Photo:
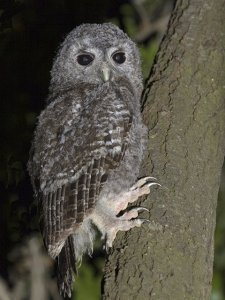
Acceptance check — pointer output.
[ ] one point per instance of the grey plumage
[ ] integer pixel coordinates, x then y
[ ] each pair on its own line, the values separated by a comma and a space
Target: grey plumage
88, 143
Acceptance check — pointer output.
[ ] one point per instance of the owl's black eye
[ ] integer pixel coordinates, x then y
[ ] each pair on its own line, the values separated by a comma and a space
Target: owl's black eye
85, 59
119, 57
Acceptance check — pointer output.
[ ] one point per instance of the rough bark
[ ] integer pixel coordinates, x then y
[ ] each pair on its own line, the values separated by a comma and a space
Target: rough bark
184, 110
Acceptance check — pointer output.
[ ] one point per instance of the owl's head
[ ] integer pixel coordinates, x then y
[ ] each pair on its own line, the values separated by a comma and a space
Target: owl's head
95, 54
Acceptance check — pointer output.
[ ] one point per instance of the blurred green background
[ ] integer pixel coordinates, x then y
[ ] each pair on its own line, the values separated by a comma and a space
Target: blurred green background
31, 31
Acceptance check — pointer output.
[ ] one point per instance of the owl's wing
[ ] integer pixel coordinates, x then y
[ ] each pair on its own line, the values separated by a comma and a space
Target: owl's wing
64, 209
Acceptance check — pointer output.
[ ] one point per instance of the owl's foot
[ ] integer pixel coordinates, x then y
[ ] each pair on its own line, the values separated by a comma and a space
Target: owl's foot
113, 216
140, 188
127, 221
129, 218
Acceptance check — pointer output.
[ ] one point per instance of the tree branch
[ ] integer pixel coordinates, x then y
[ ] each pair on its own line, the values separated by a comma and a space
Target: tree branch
184, 109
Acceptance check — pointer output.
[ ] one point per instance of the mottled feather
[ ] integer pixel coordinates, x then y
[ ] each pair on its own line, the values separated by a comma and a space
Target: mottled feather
69, 190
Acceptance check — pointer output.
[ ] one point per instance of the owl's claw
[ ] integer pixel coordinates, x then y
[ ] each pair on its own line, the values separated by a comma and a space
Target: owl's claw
140, 188
141, 209
141, 182
106, 247
124, 223
125, 226
121, 225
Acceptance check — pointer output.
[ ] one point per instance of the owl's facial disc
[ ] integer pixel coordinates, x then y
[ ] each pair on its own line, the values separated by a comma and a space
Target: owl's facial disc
101, 64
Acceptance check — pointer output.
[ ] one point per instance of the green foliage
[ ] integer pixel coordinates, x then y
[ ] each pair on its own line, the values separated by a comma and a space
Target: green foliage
88, 283
148, 53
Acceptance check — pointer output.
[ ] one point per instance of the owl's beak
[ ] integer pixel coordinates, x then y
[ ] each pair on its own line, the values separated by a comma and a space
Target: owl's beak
105, 74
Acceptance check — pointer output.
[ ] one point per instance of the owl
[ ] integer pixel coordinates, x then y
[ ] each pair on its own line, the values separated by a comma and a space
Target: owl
88, 146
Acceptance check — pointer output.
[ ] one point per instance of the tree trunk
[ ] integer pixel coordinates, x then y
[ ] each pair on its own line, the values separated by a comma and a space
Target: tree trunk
184, 109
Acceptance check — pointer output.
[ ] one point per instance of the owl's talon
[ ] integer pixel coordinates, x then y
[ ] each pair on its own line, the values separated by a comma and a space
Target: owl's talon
141, 182
133, 213
122, 224
153, 183
141, 209
106, 247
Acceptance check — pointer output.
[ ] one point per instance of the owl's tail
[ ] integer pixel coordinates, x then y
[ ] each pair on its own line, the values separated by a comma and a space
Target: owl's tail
71, 254
66, 267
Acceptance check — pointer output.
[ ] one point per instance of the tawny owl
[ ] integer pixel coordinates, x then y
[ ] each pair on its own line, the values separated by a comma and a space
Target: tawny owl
88, 145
